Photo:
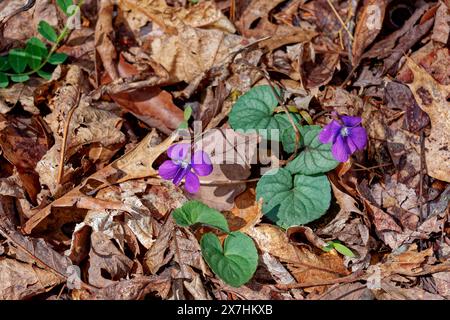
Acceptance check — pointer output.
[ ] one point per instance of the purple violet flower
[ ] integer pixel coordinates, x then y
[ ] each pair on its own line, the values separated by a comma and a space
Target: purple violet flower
346, 135
184, 165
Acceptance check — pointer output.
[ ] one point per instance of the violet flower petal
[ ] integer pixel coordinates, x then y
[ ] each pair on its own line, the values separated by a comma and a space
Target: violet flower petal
350, 121
168, 169
182, 172
340, 149
201, 163
330, 132
179, 151
358, 137
192, 183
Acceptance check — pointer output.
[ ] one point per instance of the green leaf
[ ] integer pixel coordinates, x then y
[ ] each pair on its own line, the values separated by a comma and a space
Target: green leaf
236, 262
4, 63
194, 211
36, 51
64, 5
343, 249
18, 60
293, 200
3, 80
288, 139
255, 110
47, 31
187, 113
44, 74
19, 77
57, 58
316, 157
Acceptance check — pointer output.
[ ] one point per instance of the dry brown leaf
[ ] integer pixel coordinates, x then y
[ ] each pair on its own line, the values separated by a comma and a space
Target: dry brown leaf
151, 105
231, 154
442, 280
194, 39
368, 26
131, 289
441, 30
138, 163
24, 142
22, 280
105, 258
246, 212
432, 97
305, 265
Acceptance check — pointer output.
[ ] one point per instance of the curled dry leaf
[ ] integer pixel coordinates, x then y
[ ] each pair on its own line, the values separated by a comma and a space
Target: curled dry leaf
433, 99
138, 163
368, 26
231, 154
106, 258
151, 105
201, 35
22, 280
305, 265
24, 141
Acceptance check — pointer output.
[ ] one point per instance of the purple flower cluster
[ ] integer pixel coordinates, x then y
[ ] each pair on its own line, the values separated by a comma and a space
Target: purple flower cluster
184, 164
347, 136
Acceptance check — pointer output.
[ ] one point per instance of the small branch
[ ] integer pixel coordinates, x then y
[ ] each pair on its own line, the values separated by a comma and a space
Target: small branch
348, 279
64, 138
340, 19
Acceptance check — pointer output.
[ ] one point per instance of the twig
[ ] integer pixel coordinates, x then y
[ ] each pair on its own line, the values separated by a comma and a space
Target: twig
340, 19
348, 279
64, 138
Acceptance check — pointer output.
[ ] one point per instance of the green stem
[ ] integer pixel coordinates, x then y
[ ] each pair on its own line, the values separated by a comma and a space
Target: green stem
61, 36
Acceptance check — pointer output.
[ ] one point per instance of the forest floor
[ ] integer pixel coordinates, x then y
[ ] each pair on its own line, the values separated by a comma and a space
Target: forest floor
100, 200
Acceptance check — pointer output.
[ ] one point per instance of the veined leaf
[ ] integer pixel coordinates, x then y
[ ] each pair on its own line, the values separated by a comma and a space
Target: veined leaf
236, 262
316, 156
255, 110
194, 212
291, 200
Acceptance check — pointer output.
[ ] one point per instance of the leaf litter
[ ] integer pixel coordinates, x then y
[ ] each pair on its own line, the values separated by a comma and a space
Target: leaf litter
84, 213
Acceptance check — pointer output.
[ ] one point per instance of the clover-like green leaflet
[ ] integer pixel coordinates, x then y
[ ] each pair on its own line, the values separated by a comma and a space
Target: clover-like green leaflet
235, 262
19, 64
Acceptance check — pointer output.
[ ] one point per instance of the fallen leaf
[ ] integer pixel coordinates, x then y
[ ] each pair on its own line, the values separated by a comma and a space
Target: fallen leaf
432, 97
106, 260
368, 26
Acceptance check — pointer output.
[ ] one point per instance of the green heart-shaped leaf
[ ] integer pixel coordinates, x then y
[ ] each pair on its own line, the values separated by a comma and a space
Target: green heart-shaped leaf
236, 262
293, 200
194, 211
47, 31
316, 156
255, 110
17, 59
